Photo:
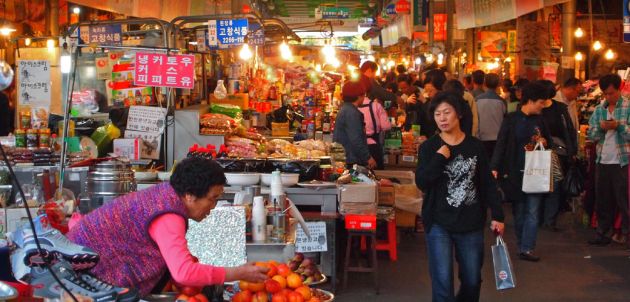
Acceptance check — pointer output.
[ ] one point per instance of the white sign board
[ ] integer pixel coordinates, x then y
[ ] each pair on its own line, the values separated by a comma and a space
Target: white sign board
146, 123
318, 241
34, 87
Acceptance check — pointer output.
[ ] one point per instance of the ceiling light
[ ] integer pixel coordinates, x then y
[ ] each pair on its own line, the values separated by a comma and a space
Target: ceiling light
76, 10
579, 32
609, 54
27, 41
285, 51
597, 45
579, 56
246, 53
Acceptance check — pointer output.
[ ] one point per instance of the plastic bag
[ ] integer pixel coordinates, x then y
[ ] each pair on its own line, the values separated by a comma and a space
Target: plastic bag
503, 274
220, 92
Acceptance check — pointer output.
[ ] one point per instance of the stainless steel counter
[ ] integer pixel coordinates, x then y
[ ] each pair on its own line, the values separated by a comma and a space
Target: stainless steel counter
325, 198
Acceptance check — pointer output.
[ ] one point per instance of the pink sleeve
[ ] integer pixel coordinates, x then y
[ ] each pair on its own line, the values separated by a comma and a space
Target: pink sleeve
169, 233
382, 116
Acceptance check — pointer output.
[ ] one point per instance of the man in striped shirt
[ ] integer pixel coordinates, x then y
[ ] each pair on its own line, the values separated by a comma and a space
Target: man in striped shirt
609, 129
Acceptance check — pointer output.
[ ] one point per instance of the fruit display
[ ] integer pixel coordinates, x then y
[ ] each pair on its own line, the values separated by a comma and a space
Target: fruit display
306, 268
283, 285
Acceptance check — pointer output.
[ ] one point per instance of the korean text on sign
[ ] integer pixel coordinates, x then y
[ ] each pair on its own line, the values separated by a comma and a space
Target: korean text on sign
161, 70
105, 34
232, 31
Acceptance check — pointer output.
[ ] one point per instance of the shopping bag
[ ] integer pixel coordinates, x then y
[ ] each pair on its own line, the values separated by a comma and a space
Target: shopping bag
574, 180
503, 275
537, 176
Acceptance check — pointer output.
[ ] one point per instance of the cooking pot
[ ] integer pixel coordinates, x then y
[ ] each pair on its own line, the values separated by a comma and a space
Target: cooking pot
307, 168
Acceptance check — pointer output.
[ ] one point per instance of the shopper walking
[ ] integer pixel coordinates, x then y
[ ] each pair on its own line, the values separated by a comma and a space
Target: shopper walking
564, 140
350, 128
492, 109
454, 174
376, 122
568, 95
375, 90
608, 128
520, 131
469, 106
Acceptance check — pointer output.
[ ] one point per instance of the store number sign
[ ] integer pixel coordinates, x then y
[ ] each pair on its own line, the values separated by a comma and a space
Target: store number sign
161, 70
318, 241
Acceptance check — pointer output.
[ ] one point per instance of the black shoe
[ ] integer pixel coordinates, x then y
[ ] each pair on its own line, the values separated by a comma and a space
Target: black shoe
529, 256
600, 241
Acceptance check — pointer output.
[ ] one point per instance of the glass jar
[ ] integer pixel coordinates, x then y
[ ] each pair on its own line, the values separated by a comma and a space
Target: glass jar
44, 138
31, 138
25, 119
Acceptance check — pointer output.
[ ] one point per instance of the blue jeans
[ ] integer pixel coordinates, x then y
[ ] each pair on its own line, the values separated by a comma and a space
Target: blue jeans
469, 255
526, 221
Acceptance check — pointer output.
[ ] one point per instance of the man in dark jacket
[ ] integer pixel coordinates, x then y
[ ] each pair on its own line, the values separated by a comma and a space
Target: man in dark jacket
374, 90
5, 115
350, 127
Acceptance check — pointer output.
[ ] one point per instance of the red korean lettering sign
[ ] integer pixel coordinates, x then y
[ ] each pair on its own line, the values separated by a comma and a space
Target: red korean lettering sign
161, 70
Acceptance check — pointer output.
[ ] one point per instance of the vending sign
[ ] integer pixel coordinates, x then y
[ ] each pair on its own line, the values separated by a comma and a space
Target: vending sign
161, 70
232, 32
626, 21
104, 35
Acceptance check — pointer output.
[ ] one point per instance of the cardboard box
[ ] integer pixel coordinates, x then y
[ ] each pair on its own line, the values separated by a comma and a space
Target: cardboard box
405, 219
280, 129
128, 147
11, 218
239, 99
386, 196
358, 193
390, 159
410, 161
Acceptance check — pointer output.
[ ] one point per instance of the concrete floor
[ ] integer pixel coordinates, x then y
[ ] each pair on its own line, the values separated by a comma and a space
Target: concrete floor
570, 270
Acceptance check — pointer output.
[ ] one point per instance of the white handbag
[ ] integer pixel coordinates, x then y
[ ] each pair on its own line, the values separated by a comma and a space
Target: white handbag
537, 175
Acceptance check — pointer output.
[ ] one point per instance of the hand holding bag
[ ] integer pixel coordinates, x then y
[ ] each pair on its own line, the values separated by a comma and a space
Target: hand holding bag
503, 275
537, 175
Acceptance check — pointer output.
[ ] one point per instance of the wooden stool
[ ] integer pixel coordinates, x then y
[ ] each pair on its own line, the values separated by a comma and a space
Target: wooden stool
390, 245
373, 268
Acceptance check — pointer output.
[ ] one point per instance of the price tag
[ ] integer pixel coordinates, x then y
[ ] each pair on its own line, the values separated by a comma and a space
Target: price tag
318, 241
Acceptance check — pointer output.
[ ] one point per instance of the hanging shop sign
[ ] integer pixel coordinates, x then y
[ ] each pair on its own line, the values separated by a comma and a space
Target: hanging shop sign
256, 34
420, 14
439, 29
161, 70
328, 12
390, 9
511, 41
626, 21
102, 34
212, 40
403, 7
232, 32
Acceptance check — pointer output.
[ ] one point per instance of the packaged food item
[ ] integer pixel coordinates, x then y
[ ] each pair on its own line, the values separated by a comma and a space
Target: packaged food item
44, 138
31, 139
20, 138
39, 117
25, 119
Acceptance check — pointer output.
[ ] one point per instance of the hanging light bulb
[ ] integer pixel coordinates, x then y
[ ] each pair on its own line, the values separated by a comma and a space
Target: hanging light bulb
50, 44
479, 57
27, 41
335, 63
328, 51
579, 56
382, 61
246, 53
5, 30
285, 51
508, 60
429, 58
76, 10
579, 32
418, 61
609, 54
597, 45
391, 64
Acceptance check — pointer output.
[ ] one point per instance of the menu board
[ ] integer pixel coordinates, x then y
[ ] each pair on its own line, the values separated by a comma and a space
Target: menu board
34, 87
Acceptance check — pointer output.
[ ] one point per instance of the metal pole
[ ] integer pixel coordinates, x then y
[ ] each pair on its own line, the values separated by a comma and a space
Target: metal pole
450, 5
568, 42
590, 47
431, 23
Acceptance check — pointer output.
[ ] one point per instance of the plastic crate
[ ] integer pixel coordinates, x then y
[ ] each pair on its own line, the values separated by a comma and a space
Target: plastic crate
361, 222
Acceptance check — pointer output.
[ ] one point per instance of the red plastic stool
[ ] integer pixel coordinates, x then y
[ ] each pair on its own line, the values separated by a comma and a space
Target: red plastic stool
390, 245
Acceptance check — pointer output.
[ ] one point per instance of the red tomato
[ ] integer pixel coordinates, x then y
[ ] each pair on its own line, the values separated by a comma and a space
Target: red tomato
279, 297
260, 297
295, 297
272, 286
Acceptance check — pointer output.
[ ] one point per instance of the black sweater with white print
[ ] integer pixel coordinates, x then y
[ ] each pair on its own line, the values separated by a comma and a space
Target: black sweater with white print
459, 190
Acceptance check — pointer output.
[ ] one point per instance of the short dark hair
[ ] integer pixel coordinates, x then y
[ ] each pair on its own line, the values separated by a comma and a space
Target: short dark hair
507, 83
196, 176
468, 79
520, 83
572, 82
368, 65
401, 69
549, 87
450, 98
533, 92
435, 77
454, 86
608, 80
491, 80
403, 78
478, 77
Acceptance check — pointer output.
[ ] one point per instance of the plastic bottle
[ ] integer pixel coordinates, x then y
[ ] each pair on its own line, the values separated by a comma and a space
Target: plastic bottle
259, 220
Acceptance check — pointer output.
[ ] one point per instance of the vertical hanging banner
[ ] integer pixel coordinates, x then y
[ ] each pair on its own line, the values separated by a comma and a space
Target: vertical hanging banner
420, 15
161, 70
626, 21
34, 87
212, 34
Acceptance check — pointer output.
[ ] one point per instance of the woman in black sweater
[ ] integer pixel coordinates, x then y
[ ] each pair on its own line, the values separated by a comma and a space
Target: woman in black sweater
454, 174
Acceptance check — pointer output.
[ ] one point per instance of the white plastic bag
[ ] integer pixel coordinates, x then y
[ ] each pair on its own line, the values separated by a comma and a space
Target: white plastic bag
537, 176
220, 92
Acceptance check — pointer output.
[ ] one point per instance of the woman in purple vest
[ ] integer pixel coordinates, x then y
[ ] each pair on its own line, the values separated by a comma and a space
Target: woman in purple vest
142, 236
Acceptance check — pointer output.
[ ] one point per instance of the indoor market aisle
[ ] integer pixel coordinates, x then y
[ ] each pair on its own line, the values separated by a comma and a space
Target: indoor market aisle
570, 270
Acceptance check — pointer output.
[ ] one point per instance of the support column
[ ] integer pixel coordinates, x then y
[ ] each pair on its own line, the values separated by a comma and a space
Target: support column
431, 23
568, 40
450, 10
53, 17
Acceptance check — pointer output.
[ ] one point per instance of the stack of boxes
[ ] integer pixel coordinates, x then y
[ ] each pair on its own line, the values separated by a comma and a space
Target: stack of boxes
357, 202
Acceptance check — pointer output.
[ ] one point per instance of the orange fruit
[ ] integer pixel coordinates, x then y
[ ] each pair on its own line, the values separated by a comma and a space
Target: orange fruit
273, 270
305, 291
284, 270
281, 280
257, 287
273, 262
243, 285
294, 280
